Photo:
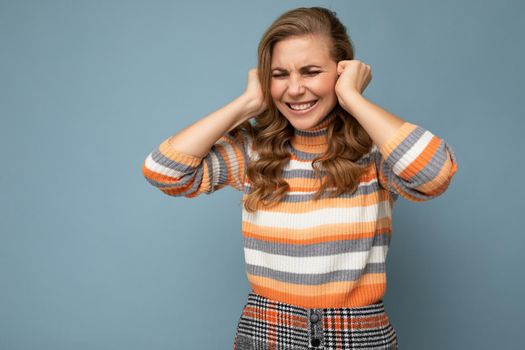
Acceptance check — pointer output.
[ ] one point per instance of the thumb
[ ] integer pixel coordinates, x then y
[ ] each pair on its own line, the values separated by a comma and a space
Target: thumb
341, 67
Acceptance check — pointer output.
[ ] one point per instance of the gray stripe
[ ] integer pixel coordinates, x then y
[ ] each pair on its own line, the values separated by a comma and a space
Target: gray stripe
405, 145
168, 163
426, 174
317, 249
310, 156
310, 173
191, 173
300, 173
197, 181
323, 131
432, 169
297, 198
211, 169
315, 279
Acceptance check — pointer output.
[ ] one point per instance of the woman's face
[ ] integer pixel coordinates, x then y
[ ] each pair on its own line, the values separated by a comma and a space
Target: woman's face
303, 72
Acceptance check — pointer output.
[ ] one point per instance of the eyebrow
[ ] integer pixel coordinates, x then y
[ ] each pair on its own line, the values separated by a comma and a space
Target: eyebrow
302, 68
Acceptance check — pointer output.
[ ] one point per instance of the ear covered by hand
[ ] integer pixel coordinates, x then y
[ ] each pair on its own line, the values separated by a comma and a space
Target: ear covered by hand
354, 77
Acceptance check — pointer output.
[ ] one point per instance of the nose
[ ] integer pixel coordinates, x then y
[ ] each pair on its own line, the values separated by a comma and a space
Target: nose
295, 85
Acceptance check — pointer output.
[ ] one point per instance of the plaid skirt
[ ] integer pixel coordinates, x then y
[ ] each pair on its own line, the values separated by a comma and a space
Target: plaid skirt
270, 324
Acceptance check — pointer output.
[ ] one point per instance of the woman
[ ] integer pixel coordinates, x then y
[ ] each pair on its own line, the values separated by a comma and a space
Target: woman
320, 168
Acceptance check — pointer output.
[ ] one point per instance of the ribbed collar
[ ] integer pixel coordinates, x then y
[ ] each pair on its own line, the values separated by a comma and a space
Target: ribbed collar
313, 140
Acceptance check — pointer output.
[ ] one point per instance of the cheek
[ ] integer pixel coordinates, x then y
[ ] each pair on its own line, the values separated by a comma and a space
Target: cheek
275, 91
326, 86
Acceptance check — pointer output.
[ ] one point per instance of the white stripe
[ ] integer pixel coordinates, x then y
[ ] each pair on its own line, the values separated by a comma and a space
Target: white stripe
252, 155
323, 216
214, 171
316, 264
294, 164
152, 165
413, 152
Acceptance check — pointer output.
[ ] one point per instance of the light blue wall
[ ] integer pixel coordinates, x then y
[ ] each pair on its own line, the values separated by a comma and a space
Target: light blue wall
93, 257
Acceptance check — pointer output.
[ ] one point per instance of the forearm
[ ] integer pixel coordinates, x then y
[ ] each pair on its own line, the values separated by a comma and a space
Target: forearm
378, 123
198, 138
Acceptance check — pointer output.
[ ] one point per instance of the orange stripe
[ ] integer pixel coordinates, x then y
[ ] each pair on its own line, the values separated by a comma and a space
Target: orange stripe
422, 159
358, 201
308, 149
176, 189
152, 175
440, 182
401, 133
319, 234
312, 184
369, 289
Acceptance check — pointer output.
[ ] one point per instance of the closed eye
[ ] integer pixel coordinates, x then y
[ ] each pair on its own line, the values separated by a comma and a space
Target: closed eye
312, 73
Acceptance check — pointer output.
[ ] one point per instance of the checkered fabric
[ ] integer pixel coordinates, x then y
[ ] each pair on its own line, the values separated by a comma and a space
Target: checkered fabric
273, 325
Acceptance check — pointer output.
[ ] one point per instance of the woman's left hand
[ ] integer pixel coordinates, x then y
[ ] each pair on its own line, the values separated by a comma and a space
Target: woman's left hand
354, 77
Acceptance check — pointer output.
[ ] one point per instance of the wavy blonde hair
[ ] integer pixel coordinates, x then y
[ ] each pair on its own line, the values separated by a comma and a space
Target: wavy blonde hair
271, 133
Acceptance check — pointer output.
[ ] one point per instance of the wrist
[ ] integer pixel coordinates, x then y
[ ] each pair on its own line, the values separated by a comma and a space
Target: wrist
246, 107
350, 99
250, 105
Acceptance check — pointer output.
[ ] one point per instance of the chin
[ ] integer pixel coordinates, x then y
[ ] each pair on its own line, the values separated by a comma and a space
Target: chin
305, 122
300, 122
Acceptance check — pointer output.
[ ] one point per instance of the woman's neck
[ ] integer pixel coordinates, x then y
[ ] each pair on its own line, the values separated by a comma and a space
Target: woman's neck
314, 139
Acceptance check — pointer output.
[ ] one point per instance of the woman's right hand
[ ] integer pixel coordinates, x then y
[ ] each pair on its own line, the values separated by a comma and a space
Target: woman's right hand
254, 94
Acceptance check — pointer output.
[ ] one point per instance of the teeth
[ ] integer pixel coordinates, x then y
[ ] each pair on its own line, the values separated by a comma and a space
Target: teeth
300, 107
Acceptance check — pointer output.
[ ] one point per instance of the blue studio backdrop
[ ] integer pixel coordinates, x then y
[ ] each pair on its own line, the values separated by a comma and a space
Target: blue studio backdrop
93, 257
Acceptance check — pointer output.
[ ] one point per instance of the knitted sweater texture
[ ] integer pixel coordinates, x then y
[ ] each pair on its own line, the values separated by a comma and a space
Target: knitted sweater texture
326, 253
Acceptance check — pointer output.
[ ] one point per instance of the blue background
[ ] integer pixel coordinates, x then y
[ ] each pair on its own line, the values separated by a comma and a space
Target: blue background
93, 257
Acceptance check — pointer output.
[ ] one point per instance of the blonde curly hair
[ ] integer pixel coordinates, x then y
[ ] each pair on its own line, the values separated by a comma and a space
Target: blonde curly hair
272, 133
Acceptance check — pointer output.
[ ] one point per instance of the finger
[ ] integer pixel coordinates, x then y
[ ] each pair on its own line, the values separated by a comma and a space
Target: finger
340, 67
368, 81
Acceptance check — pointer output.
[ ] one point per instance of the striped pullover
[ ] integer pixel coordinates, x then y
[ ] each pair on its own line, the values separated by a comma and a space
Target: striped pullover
315, 254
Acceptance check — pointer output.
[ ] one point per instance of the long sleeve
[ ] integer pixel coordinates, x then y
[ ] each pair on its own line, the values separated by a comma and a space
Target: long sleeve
179, 174
415, 164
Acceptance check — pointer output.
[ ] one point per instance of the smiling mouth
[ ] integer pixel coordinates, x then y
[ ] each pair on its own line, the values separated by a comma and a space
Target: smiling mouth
309, 105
